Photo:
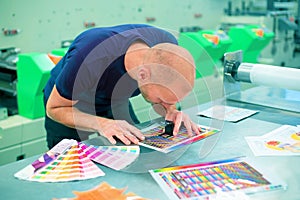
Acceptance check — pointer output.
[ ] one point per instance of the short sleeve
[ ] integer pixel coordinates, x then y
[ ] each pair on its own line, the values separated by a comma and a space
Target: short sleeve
65, 82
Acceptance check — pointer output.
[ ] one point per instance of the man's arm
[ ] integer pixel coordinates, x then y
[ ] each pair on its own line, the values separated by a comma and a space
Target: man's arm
63, 111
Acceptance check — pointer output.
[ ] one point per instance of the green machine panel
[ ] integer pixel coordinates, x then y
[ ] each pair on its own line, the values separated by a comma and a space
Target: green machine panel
207, 47
60, 51
251, 39
33, 71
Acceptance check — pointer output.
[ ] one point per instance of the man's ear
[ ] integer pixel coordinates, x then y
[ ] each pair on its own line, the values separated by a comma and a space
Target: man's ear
143, 74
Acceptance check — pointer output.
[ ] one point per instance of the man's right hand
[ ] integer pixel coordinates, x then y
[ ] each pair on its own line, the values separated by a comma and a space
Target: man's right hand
63, 111
120, 129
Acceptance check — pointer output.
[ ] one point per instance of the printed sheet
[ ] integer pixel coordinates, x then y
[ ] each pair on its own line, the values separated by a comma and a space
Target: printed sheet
227, 113
283, 141
231, 178
156, 139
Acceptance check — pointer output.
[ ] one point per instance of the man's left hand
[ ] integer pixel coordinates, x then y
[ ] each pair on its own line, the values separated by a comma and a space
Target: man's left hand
178, 117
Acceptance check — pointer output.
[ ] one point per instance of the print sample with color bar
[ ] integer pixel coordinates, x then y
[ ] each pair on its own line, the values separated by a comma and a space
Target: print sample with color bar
208, 180
156, 139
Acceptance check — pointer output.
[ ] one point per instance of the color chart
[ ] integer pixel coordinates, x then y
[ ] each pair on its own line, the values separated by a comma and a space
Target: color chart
70, 160
156, 139
115, 157
72, 164
45, 159
200, 181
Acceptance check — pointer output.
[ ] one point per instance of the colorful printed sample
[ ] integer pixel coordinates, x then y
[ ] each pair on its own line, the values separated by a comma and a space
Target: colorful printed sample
283, 141
201, 181
115, 157
156, 139
104, 192
70, 164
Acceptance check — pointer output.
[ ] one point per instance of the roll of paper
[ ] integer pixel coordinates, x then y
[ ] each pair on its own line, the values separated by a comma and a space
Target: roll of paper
274, 76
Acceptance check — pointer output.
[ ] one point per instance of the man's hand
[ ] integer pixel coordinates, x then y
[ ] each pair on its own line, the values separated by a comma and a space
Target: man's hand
120, 129
63, 111
178, 118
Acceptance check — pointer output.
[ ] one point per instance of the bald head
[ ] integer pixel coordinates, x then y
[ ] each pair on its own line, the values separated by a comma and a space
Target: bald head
165, 68
168, 49
170, 65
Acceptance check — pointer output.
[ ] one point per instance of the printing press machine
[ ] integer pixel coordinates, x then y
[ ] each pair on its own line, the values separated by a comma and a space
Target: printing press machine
22, 78
8, 81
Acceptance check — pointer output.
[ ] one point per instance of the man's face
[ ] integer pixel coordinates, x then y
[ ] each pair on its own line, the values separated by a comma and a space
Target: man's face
159, 95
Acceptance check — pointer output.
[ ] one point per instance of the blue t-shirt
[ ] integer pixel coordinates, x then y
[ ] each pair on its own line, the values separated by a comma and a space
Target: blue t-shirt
93, 71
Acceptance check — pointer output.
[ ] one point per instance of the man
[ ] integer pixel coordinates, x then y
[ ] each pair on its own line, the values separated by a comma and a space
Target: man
89, 89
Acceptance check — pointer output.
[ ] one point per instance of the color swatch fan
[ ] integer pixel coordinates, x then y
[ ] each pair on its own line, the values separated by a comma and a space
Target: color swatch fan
156, 139
65, 162
214, 179
115, 157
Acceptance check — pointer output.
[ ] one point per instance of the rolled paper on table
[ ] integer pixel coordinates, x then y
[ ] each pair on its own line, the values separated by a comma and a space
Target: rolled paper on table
269, 75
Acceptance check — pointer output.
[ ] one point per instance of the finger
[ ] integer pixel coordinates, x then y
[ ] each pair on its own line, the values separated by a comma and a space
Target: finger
169, 117
188, 126
111, 139
131, 137
123, 139
196, 128
177, 123
135, 132
126, 127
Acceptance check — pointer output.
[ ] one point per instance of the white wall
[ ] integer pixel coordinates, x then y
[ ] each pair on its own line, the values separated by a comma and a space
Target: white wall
44, 24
